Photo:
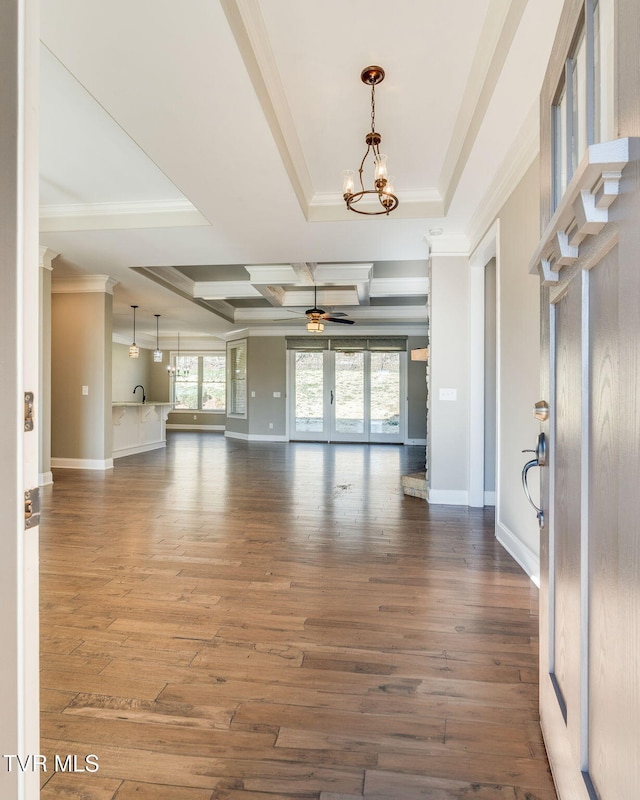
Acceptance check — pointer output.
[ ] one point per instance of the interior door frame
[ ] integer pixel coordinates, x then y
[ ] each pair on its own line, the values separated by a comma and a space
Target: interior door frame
19, 356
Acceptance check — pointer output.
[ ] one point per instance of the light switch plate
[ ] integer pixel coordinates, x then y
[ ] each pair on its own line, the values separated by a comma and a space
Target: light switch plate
276, 394
85, 390
448, 394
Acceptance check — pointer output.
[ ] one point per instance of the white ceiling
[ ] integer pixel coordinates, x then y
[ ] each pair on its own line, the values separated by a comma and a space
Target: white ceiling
213, 134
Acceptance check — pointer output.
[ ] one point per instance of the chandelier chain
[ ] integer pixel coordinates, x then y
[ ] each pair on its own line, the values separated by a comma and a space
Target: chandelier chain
373, 108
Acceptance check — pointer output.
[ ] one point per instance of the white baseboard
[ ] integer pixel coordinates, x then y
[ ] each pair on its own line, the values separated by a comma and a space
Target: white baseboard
82, 463
236, 435
518, 550
45, 478
256, 437
489, 498
179, 427
448, 497
139, 448
416, 441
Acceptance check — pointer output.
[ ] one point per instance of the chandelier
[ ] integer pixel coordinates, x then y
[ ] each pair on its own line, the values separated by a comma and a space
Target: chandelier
175, 370
382, 182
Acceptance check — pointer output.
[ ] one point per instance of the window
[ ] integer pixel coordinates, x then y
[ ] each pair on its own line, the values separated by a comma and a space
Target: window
237, 379
199, 382
582, 112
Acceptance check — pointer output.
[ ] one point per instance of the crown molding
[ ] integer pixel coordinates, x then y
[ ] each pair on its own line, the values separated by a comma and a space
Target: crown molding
46, 258
413, 204
452, 245
83, 284
118, 216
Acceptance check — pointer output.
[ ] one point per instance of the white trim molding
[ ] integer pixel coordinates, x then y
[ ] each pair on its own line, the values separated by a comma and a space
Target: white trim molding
584, 208
139, 448
517, 549
448, 497
178, 213
45, 478
83, 284
256, 437
177, 427
82, 463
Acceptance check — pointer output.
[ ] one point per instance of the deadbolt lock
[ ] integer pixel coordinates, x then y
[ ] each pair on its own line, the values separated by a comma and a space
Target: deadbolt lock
541, 410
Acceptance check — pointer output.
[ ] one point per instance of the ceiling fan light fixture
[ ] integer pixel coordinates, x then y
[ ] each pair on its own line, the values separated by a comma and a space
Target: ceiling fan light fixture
315, 326
383, 187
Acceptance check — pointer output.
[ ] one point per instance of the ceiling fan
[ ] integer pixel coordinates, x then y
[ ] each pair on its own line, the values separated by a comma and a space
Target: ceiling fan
315, 314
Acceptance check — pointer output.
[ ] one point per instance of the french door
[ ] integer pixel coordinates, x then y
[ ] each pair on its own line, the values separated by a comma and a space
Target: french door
347, 395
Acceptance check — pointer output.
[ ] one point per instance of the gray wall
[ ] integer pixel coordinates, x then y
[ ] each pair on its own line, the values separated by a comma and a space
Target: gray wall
449, 369
81, 356
416, 390
267, 372
490, 376
128, 372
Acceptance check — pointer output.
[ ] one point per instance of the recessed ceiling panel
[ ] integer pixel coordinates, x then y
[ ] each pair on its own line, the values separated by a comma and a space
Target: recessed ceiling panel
426, 49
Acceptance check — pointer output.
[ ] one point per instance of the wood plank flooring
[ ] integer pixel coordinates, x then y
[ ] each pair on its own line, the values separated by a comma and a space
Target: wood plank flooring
232, 621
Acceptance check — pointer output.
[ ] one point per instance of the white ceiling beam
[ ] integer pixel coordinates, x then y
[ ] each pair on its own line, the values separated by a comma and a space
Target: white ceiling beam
219, 290
399, 287
274, 274
342, 274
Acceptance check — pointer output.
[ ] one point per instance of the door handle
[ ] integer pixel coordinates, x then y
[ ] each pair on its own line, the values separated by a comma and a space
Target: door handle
331, 396
539, 461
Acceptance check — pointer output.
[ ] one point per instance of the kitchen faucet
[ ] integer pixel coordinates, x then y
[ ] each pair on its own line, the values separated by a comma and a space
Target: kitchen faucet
140, 386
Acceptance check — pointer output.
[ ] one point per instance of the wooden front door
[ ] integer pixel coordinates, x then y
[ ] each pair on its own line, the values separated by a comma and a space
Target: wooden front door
590, 542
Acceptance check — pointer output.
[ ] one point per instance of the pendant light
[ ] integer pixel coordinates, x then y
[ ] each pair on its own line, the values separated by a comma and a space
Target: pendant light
157, 353
134, 350
383, 190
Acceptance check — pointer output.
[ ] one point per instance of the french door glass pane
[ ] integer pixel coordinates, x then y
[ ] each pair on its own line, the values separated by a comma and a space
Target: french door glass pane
560, 148
309, 392
349, 399
213, 383
579, 145
385, 392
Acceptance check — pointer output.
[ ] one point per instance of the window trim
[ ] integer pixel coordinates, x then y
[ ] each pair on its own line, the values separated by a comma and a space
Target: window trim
232, 382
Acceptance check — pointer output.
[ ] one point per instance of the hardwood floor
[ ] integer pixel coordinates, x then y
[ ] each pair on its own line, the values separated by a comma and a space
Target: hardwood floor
238, 620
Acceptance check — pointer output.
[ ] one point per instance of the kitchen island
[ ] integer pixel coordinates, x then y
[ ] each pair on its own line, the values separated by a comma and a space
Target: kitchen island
138, 427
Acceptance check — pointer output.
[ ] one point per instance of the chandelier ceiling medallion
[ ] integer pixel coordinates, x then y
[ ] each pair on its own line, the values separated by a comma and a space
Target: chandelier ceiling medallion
382, 182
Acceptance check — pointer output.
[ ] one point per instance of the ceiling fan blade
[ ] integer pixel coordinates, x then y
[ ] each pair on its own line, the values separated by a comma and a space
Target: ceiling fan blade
334, 314
343, 321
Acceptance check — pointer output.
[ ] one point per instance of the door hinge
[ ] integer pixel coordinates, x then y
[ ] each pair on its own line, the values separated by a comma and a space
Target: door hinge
28, 411
32, 508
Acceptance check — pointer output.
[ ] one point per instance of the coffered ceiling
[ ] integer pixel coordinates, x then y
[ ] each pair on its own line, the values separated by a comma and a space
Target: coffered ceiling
194, 151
